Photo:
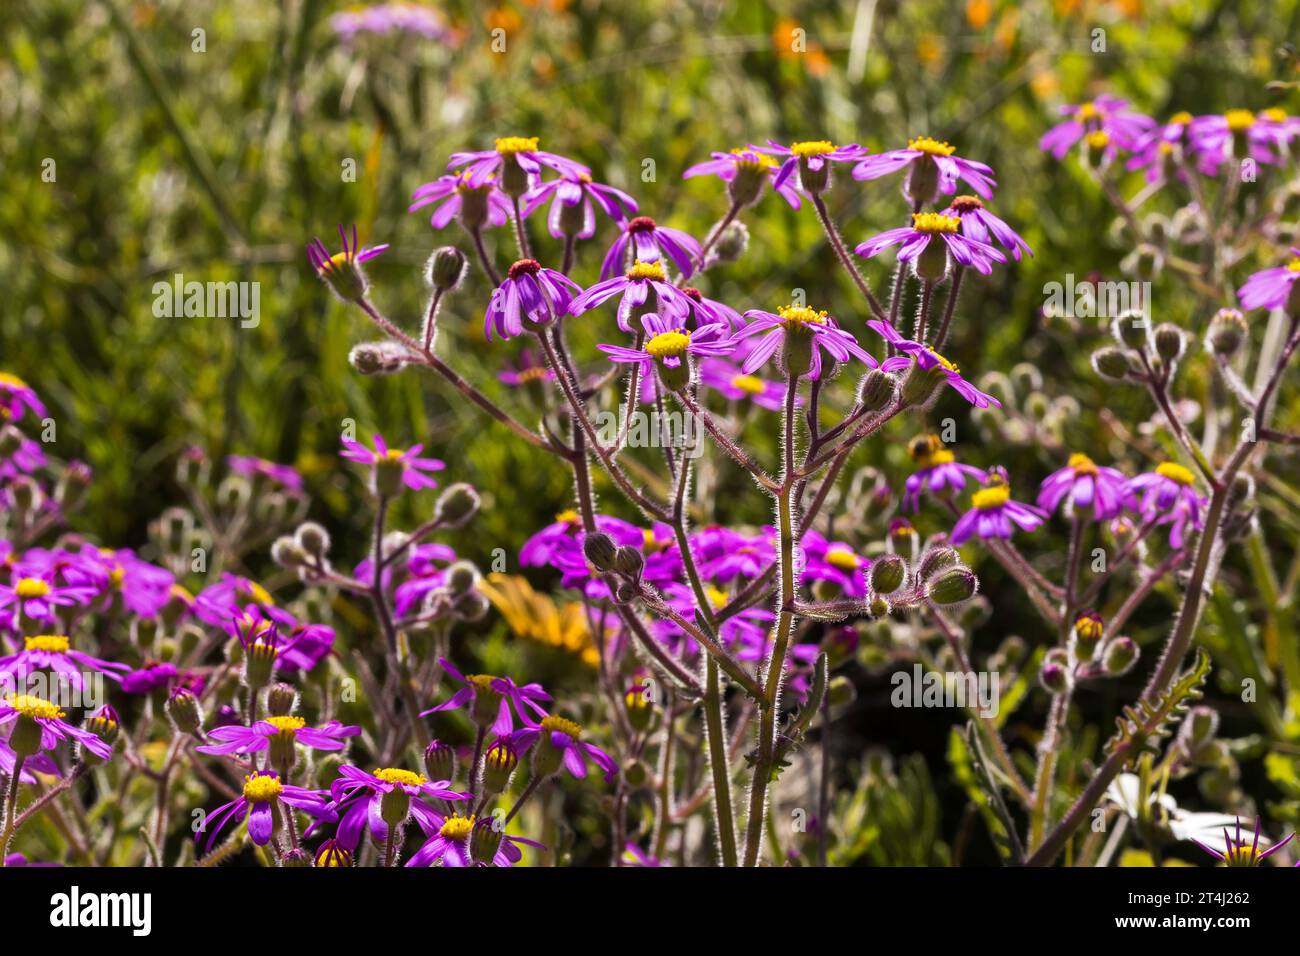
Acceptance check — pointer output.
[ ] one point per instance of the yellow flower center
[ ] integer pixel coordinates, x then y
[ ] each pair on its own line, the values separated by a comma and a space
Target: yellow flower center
563, 725
1273, 114
930, 146
651, 544
1293, 265
568, 516
717, 597
117, 576
1097, 139
750, 384
990, 499
262, 788
1087, 111
482, 683
752, 160
943, 361
1239, 120
667, 344
397, 775
35, 707
509, 145
1089, 628
793, 315
1175, 472
457, 828
336, 261
287, 726
9, 380
260, 594
1181, 118
843, 558
54, 643
812, 147
933, 222
648, 270
31, 588
941, 456
1082, 464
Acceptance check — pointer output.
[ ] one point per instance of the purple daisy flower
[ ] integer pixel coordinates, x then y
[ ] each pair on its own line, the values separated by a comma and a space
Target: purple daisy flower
529, 295
1262, 137
413, 18
938, 471
812, 159
573, 202
1162, 145
1087, 485
145, 588
927, 359
922, 155
259, 468
542, 548
724, 554
37, 597
801, 326
994, 515
413, 467
835, 562
17, 396
560, 743
511, 152
647, 241
490, 700
452, 842
263, 791
978, 223
1274, 288
457, 197
153, 675
636, 286
342, 270
667, 344
1236, 853
745, 171
734, 384
286, 730
917, 238
1106, 114
53, 652
358, 799
1168, 496
48, 717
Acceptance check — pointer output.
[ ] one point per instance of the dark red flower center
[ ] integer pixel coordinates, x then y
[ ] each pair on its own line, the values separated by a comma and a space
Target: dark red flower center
641, 224
524, 267
964, 204
693, 294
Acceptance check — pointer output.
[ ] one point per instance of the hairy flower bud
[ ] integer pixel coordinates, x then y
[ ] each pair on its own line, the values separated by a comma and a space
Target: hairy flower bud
1111, 364
1170, 341
888, 573
456, 505
440, 761
1053, 676
1118, 656
499, 762
902, 536
184, 711
840, 691
629, 562
639, 705
876, 390
1087, 635
313, 539
599, 550
472, 606
1132, 329
72, 486
461, 576
936, 559
1226, 333
281, 699
952, 586
286, 553
445, 268
379, 358
485, 840
732, 243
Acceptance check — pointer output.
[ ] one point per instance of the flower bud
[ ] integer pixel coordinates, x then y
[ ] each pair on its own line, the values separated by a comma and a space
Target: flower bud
184, 711
313, 539
445, 268
840, 691
281, 699
1200, 727
295, 858
379, 358
1227, 332
72, 485
902, 536
1170, 341
936, 559
1053, 676
332, 853
732, 243
456, 505
472, 606
952, 586
461, 576
144, 632
11, 439
485, 840
878, 607
1144, 262
599, 550
1118, 656
499, 762
105, 724
876, 390
286, 553
1087, 635
25, 494
1131, 329
639, 706
1111, 364
629, 562
888, 573
440, 761
625, 592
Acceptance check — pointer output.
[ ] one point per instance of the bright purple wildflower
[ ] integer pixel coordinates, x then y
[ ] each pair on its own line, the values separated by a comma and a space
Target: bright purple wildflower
925, 359
1087, 485
448, 843
37, 597
747, 162
647, 241
145, 588
542, 548
570, 192
835, 562
1263, 137
16, 396
255, 739
413, 18
529, 294
414, 468
251, 468
734, 384
1161, 144
527, 370
484, 693
152, 676
1168, 496
325, 262
474, 204
924, 149
1273, 288
26, 459
1106, 114
938, 471
636, 286
916, 238
1236, 853
358, 799
53, 652
522, 150
667, 343
49, 718
725, 554
815, 154
978, 223
820, 327
994, 514
566, 736
262, 790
